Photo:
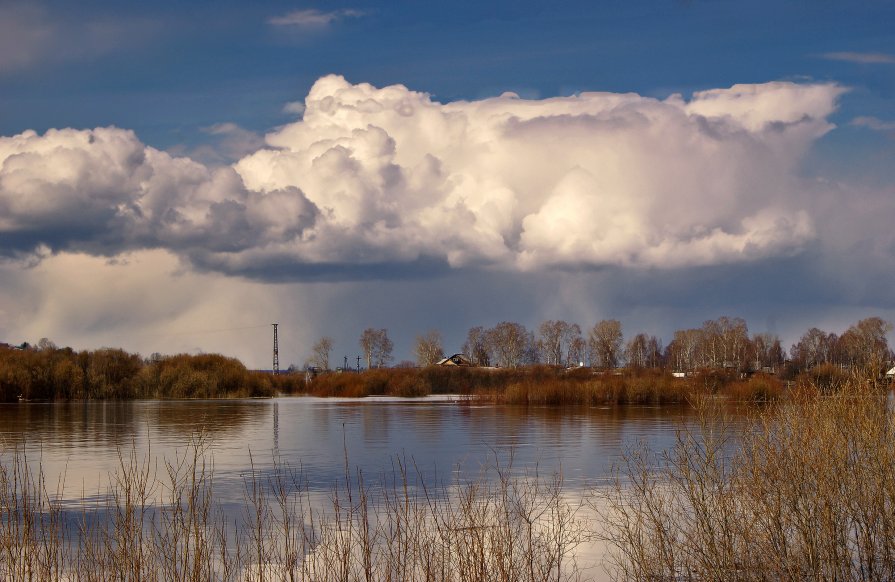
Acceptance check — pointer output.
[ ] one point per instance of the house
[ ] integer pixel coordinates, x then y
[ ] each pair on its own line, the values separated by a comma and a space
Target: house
455, 360
891, 373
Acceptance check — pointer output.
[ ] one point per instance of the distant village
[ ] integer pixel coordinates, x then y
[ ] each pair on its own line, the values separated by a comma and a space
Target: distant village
719, 344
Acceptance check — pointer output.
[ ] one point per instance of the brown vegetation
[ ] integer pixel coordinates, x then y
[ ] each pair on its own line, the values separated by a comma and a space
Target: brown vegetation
645, 387
63, 374
544, 385
166, 525
805, 492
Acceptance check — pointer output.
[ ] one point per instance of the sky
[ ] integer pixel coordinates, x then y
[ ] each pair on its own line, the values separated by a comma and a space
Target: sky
176, 176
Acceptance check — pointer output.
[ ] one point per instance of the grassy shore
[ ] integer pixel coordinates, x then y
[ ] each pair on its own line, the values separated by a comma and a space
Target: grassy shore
112, 374
542, 385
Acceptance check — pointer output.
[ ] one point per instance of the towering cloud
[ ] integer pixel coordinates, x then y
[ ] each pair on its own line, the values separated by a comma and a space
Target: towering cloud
388, 180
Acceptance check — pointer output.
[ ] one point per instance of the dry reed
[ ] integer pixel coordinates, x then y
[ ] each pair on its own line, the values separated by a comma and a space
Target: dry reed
163, 523
805, 492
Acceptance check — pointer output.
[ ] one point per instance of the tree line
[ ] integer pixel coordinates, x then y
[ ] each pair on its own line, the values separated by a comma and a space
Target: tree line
722, 343
45, 372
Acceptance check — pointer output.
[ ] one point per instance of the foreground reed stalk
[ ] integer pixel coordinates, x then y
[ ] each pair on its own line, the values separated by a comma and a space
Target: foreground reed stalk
807, 493
163, 523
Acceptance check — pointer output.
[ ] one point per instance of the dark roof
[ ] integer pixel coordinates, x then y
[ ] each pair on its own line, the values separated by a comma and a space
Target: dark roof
455, 360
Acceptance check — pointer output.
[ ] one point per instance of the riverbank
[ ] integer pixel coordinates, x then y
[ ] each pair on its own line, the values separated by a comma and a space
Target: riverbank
113, 374
542, 385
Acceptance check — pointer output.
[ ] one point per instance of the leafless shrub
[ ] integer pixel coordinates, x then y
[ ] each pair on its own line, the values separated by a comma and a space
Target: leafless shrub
808, 493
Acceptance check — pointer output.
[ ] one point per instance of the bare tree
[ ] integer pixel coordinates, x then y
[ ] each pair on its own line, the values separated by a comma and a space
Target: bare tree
382, 355
768, 353
509, 342
556, 339
429, 348
377, 347
321, 351
864, 345
46, 345
636, 350
683, 353
368, 340
815, 347
477, 346
736, 343
605, 343
577, 349
550, 341
654, 353
644, 351
725, 343
531, 353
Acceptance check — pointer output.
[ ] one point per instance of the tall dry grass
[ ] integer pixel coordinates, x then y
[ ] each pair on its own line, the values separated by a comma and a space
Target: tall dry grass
550, 386
161, 521
805, 492
580, 389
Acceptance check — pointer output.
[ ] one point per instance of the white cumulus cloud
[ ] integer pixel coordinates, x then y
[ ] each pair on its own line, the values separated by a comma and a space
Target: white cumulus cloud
594, 179
374, 182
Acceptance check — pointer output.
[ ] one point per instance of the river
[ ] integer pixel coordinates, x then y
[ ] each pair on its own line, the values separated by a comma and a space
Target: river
442, 438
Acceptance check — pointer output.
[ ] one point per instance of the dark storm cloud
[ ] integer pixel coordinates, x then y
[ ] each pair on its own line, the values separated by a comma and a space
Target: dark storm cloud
103, 192
283, 269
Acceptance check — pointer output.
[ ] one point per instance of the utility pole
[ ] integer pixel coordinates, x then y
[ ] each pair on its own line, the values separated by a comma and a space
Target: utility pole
276, 350
358, 363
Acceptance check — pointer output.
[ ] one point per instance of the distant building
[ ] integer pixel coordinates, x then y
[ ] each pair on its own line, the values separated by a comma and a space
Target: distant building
456, 360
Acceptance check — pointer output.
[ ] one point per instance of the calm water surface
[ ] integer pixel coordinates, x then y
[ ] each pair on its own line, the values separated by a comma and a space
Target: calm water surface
440, 437
78, 444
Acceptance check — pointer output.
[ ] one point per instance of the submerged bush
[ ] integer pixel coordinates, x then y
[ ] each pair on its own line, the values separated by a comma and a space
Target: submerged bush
113, 374
759, 389
805, 492
826, 378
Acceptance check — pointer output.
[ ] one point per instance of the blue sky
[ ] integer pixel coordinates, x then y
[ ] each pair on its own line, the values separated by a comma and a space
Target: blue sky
207, 80
166, 69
